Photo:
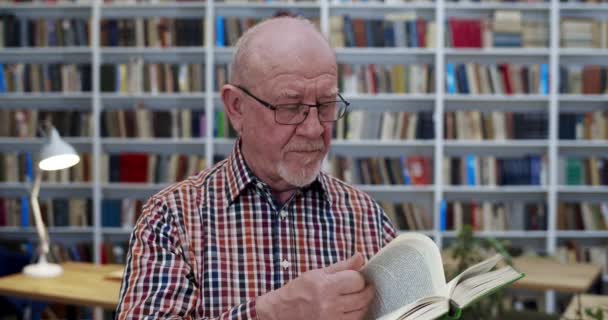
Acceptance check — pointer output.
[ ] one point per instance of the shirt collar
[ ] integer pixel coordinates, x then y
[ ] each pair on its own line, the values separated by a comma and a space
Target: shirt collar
240, 177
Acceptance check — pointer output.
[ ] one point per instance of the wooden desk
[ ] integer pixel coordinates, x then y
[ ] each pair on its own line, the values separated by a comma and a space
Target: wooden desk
547, 274
586, 301
81, 284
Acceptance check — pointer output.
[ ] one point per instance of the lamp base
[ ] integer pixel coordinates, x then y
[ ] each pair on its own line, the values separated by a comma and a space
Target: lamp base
43, 269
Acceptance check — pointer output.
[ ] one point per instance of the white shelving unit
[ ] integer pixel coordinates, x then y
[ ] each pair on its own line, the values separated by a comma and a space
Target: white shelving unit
440, 102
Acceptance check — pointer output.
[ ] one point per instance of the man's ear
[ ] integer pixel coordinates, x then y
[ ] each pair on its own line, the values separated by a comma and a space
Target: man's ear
233, 105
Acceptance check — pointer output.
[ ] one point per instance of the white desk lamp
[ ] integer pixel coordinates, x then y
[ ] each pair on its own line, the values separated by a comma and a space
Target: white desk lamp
56, 154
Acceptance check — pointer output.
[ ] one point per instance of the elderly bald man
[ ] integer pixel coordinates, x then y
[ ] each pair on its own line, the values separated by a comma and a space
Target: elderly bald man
263, 234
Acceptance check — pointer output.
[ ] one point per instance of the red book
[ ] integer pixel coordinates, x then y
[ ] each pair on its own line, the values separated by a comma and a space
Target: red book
133, 167
419, 169
421, 29
474, 34
506, 79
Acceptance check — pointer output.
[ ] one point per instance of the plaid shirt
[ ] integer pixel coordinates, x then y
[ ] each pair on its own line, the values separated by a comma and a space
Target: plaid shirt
208, 246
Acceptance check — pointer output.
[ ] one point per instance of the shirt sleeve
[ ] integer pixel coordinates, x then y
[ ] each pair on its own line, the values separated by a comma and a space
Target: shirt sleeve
159, 282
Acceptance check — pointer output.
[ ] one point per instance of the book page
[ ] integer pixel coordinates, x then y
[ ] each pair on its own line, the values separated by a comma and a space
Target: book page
478, 286
407, 269
479, 268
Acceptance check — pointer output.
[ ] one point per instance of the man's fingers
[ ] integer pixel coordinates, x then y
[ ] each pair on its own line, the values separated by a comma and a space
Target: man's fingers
357, 301
348, 281
353, 263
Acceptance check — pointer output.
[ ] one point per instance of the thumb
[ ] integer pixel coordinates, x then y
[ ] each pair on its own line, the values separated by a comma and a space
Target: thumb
355, 262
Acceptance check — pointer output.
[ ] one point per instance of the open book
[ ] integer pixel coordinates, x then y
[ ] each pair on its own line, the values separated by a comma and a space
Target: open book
410, 282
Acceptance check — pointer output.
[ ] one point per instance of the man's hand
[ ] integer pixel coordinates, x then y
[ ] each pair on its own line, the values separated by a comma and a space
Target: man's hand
335, 292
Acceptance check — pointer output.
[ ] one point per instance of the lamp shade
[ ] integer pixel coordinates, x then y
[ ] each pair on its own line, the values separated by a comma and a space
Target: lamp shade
57, 154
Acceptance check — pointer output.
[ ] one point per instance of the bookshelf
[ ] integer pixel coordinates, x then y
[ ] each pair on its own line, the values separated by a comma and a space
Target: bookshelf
439, 102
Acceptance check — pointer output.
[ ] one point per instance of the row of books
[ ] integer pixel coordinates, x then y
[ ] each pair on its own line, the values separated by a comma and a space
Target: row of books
502, 78
43, 32
584, 33
152, 32
575, 252
19, 167
591, 171
582, 216
377, 78
493, 216
143, 123
36, 78
120, 213
149, 168
24, 123
584, 126
475, 170
358, 125
396, 30
137, 76
506, 28
413, 170
72, 212
495, 125
408, 216
588, 79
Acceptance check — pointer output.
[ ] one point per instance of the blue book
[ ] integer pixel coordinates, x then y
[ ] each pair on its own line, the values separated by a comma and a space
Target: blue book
2, 81
389, 35
220, 32
471, 181
111, 213
443, 219
406, 174
535, 170
461, 79
413, 34
25, 201
369, 33
349, 32
544, 79
450, 78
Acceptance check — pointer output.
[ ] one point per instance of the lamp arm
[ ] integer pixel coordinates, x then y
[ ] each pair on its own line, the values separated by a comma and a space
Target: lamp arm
40, 227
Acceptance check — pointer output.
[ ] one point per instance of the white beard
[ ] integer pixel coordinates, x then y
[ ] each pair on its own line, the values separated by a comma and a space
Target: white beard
301, 177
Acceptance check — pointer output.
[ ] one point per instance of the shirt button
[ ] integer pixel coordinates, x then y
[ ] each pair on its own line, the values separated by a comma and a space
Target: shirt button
285, 264
283, 214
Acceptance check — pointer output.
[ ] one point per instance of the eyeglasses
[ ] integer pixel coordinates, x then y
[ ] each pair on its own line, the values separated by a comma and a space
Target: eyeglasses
296, 113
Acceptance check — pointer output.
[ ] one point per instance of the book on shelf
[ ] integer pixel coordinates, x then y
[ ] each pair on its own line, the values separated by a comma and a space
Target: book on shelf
582, 216
576, 171
573, 251
57, 212
121, 213
495, 171
380, 78
149, 168
23, 123
494, 125
411, 170
23, 31
583, 79
45, 77
152, 32
494, 216
401, 30
505, 28
501, 78
138, 76
141, 122
408, 216
584, 126
578, 32
16, 166
410, 281
359, 124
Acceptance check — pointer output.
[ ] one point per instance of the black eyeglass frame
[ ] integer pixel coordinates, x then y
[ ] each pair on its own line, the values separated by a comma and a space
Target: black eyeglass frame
275, 107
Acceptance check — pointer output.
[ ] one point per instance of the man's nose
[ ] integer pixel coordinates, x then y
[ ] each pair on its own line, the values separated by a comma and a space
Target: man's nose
312, 125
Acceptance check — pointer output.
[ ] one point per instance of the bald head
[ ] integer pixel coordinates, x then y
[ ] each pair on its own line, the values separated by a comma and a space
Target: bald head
278, 43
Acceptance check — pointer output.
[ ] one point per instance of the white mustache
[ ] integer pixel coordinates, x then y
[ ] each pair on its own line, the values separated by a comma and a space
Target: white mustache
311, 146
